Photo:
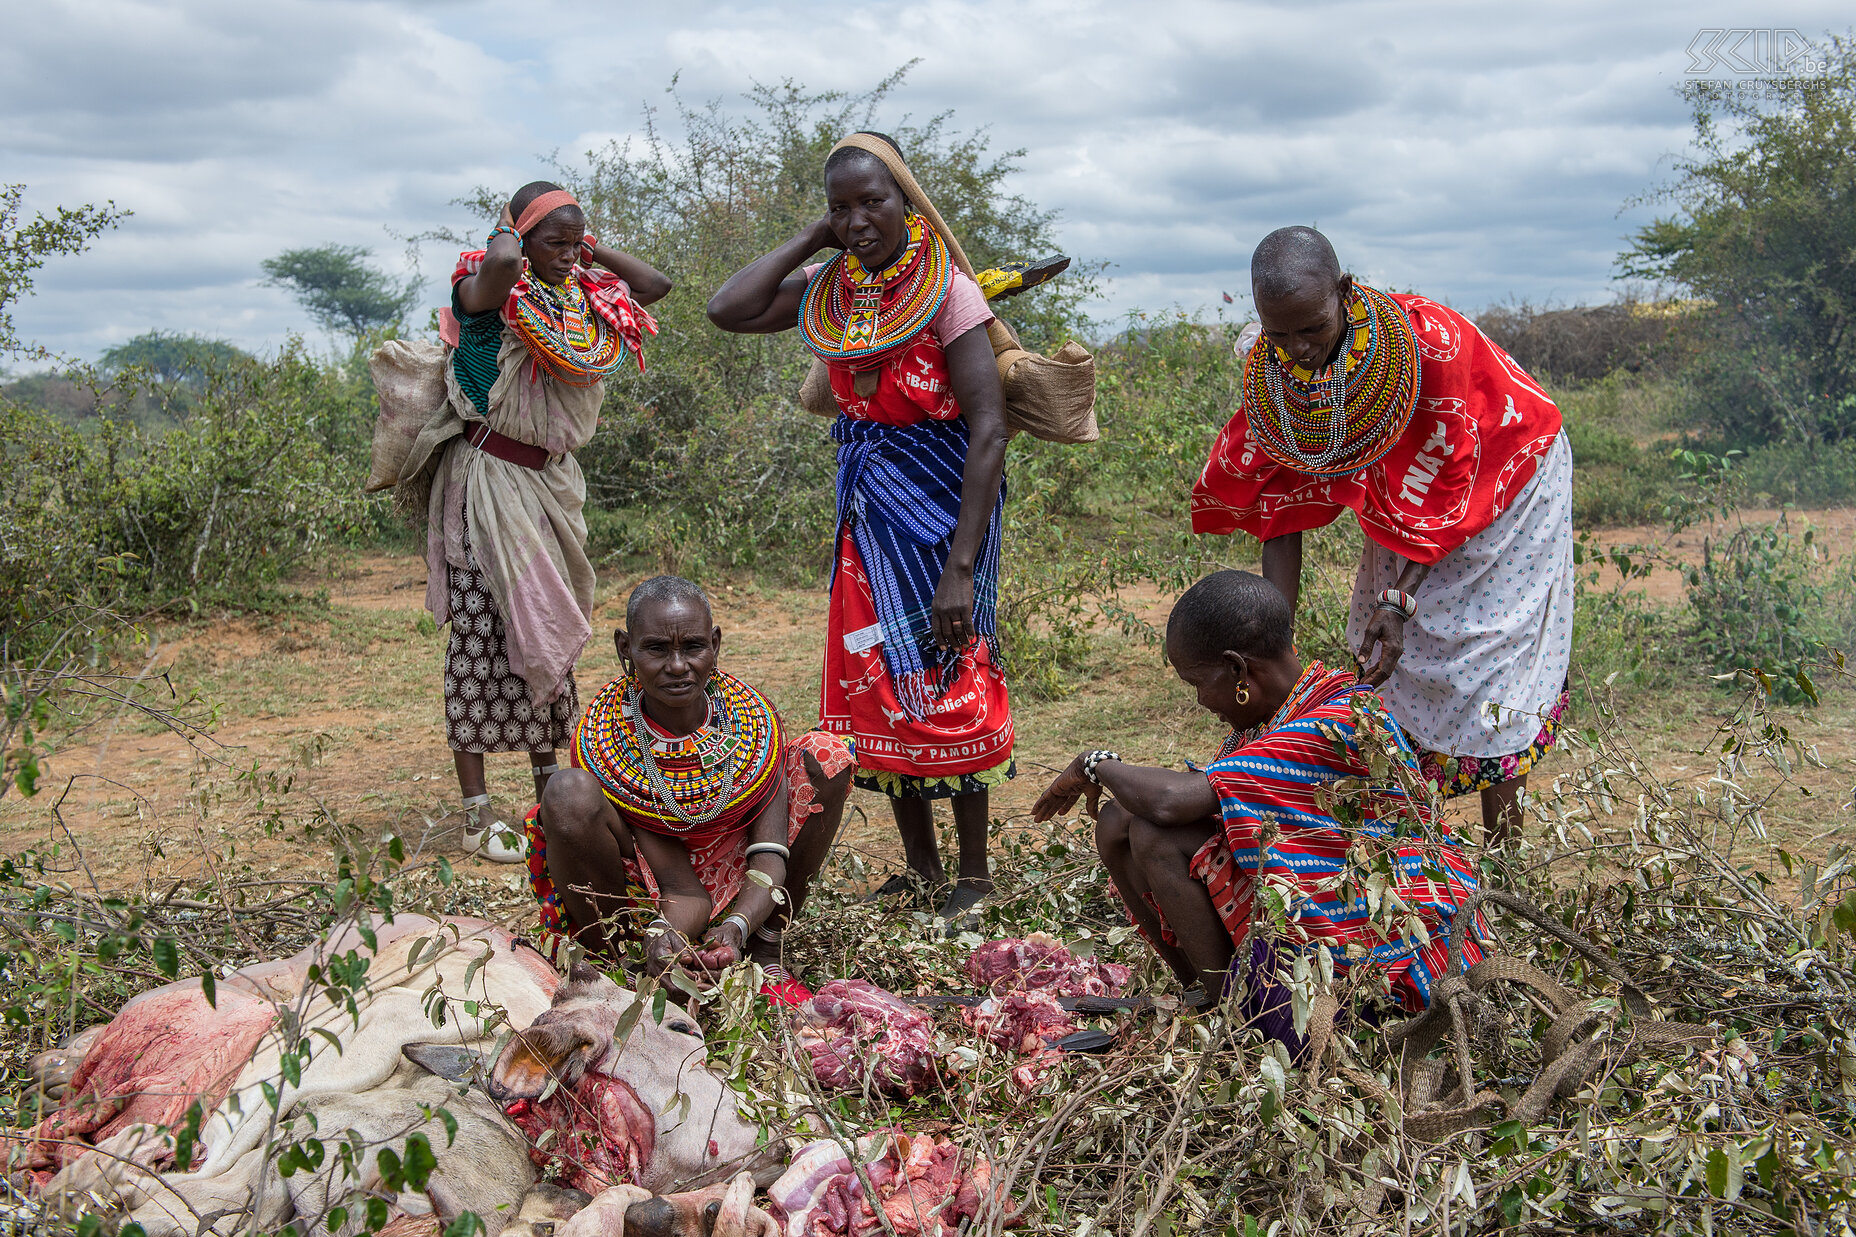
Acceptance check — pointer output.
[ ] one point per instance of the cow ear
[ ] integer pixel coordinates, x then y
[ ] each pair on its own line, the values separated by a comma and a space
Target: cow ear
448, 1061
546, 1050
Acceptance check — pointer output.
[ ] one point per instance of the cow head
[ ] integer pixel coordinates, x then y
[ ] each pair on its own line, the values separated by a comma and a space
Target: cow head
579, 1032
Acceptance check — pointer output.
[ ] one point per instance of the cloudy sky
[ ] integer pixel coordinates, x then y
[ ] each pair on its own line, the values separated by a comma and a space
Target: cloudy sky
1473, 151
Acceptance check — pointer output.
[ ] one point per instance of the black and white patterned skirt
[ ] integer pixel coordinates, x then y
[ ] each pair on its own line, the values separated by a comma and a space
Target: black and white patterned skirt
487, 706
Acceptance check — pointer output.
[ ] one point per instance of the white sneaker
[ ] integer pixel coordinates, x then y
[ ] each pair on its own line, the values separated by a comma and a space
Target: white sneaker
496, 840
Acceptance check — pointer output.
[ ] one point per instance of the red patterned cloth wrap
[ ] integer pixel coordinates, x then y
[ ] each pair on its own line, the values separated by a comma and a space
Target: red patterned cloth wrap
1276, 831
1479, 430
966, 731
606, 745
924, 1187
963, 741
606, 294
857, 1034
603, 1133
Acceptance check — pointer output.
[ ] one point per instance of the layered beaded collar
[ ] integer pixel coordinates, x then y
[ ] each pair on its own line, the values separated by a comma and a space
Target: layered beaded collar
1343, 417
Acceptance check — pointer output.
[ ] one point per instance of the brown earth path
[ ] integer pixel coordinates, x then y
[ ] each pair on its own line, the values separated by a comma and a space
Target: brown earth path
334, 709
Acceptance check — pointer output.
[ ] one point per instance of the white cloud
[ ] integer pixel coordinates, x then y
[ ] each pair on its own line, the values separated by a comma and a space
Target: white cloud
1476, 152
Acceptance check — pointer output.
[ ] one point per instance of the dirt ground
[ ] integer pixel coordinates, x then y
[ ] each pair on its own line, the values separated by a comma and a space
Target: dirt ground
333, 709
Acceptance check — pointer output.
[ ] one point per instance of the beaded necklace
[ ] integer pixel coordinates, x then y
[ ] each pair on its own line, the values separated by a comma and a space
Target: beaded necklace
576, 346
1338, 423
687, 785
713, 745
856, 316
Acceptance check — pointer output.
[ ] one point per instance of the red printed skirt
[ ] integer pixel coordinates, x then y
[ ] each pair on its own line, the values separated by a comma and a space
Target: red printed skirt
965, 742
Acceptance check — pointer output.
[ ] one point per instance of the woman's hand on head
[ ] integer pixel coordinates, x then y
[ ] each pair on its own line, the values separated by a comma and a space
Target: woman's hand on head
821, 235
1061, 795
952, 609
1386, 628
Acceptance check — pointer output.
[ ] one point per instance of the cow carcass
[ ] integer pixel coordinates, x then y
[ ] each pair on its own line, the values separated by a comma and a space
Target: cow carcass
422, 987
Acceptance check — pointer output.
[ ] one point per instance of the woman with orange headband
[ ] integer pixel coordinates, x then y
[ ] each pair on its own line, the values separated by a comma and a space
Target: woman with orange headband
539, 318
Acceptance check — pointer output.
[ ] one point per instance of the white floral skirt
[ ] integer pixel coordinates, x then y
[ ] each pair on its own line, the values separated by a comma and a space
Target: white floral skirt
1486, 657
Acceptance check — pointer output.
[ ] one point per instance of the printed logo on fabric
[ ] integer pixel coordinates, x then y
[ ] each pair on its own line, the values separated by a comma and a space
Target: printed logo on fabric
1451, 449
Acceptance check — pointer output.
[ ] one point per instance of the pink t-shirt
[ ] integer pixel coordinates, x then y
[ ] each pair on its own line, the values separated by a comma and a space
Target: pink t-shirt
961, 310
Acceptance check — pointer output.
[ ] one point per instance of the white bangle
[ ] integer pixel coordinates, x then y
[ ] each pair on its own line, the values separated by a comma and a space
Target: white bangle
1092, 760
769, 848
740, 921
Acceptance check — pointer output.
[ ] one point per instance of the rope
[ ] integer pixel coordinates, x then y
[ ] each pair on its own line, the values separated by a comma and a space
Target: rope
1438, 1098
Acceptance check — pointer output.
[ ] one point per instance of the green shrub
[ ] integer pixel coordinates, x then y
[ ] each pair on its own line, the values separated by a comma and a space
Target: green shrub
1813, 475
1616, 479
261, 478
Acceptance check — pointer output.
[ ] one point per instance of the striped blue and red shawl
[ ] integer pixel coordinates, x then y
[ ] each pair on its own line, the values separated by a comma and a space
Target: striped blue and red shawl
1281, 834
899, 493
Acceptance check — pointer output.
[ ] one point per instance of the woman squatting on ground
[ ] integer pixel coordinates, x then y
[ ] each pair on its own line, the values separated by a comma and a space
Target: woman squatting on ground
688, 803
1244, 854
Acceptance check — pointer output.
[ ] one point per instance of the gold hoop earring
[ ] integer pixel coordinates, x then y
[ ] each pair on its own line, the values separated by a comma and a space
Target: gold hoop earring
1243, 694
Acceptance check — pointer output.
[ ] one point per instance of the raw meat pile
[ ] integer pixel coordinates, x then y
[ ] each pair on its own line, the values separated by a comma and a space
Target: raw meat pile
855, 1031
1020, 1021
1025, 979
1042, 963
920, 1184
599, 1133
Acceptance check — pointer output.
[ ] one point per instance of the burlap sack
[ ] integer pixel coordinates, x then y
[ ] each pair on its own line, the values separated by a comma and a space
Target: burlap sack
1053, 398
1048, 397
409, 379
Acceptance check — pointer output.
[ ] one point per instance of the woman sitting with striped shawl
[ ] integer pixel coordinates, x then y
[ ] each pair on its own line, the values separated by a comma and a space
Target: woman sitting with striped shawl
1250, 852
688, 804
912, 671
539, 319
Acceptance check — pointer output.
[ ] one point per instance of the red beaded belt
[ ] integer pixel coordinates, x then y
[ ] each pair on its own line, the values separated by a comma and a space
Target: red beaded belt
503, 447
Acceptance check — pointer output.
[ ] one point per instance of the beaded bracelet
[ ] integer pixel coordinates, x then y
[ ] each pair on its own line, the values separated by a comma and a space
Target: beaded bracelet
588, 244
1396, 599
498, 230
1095, 758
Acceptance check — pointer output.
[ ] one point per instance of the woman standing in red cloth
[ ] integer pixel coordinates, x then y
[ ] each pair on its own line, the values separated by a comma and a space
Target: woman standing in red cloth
1452, 458
912, 670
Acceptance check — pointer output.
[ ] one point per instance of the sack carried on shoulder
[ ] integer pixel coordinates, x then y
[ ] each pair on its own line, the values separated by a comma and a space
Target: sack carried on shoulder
409, 379
1048, 397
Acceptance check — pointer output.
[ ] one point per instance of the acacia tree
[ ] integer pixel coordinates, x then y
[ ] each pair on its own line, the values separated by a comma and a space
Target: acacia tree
25, 247
1765, 239
341, 290
170, 358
